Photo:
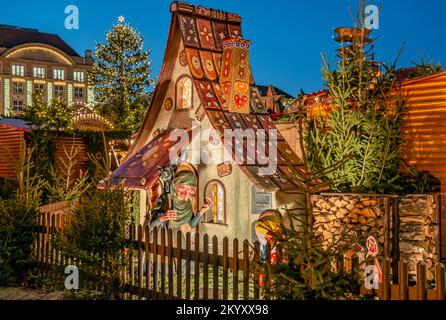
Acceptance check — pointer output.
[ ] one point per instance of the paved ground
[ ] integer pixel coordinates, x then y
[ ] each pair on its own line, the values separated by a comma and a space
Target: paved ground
29, 294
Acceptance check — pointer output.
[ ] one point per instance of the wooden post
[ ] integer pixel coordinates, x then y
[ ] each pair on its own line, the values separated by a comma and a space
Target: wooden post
188, 259
206, 266
155, 261
245, 270
163, 262
132, 262
215, 276
147, 255
170, 261
235, 269
403, 280
440, 281
386, 279
179, 264
140, 260
396, 239
438, 218
197, 267
225, 267
256, 272
421, 281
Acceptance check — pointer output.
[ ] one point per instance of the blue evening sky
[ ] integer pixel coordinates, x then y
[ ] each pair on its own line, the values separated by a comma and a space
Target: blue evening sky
288, 36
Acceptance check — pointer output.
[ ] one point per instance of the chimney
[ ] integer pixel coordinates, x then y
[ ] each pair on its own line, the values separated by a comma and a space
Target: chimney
235, 74
87, 53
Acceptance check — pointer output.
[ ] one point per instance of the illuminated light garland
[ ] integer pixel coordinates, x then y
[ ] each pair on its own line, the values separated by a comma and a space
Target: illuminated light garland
37, 47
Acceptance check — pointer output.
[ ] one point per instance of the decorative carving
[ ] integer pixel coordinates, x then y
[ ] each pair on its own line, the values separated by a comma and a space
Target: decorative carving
168, 104
224, 169
182, 58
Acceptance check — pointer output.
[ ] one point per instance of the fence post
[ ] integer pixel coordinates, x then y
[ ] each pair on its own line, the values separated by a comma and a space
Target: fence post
256, 271
170, 261
440, 281
188, 259
206, 266
132, 262
179, 264
140, 258
386, 278
163, 262
403, 280
421, 281
197, 267
245, 269
438, 218
215, 267
235, 269
147, 255
396, 239
225, 267
155, 262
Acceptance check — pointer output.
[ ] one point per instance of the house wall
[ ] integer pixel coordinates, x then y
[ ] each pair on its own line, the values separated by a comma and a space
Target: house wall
239, 208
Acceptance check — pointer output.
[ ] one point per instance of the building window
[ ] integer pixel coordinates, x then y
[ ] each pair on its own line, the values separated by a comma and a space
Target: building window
78, 76
184, 93
39, 72
18, 70
58, 91
17, 87
216, 192
59, 74
17, 105
78, 92
39, 88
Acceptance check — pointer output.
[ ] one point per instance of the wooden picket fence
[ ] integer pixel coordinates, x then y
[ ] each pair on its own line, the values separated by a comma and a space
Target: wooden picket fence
164, 265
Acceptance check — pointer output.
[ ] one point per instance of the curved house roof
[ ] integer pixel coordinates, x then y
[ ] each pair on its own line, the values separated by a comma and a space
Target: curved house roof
202, 31
11, 37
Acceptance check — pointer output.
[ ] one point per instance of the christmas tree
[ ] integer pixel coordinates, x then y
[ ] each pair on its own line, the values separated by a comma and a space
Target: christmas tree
121, 75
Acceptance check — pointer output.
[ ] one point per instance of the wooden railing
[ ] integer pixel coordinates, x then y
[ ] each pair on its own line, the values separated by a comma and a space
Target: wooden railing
164, 265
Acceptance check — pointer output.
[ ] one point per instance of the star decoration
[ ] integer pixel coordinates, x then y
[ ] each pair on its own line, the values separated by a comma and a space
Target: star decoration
121, 19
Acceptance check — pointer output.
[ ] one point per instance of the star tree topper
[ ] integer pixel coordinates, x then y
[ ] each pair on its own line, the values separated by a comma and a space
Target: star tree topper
121, 19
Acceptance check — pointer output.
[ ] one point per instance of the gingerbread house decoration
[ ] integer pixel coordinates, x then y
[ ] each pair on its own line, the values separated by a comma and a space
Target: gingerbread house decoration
206, 84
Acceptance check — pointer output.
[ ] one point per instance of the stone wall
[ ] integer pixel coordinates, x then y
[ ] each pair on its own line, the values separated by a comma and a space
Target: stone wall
418, 225
418, 234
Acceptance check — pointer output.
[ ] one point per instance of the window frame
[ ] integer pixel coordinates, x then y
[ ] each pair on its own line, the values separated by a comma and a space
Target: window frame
62, 70
38, 91
208, 184
80, 72
22, 67
56, 90
74, 92
39, 67
14, 83
179, 93
13, 107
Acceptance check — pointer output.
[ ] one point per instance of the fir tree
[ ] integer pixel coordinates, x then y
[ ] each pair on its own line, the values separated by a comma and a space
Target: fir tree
364, 121
121, 75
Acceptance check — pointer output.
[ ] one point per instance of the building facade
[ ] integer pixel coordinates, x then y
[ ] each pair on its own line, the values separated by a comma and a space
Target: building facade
33, 62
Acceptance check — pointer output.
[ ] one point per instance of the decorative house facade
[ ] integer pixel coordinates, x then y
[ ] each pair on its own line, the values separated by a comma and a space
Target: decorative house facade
207, 89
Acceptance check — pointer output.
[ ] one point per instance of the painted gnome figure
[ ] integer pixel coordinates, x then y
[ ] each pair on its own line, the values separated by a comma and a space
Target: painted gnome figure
181, 213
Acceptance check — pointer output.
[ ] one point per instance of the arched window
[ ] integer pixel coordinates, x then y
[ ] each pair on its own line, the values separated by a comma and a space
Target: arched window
216, 192
184, 93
